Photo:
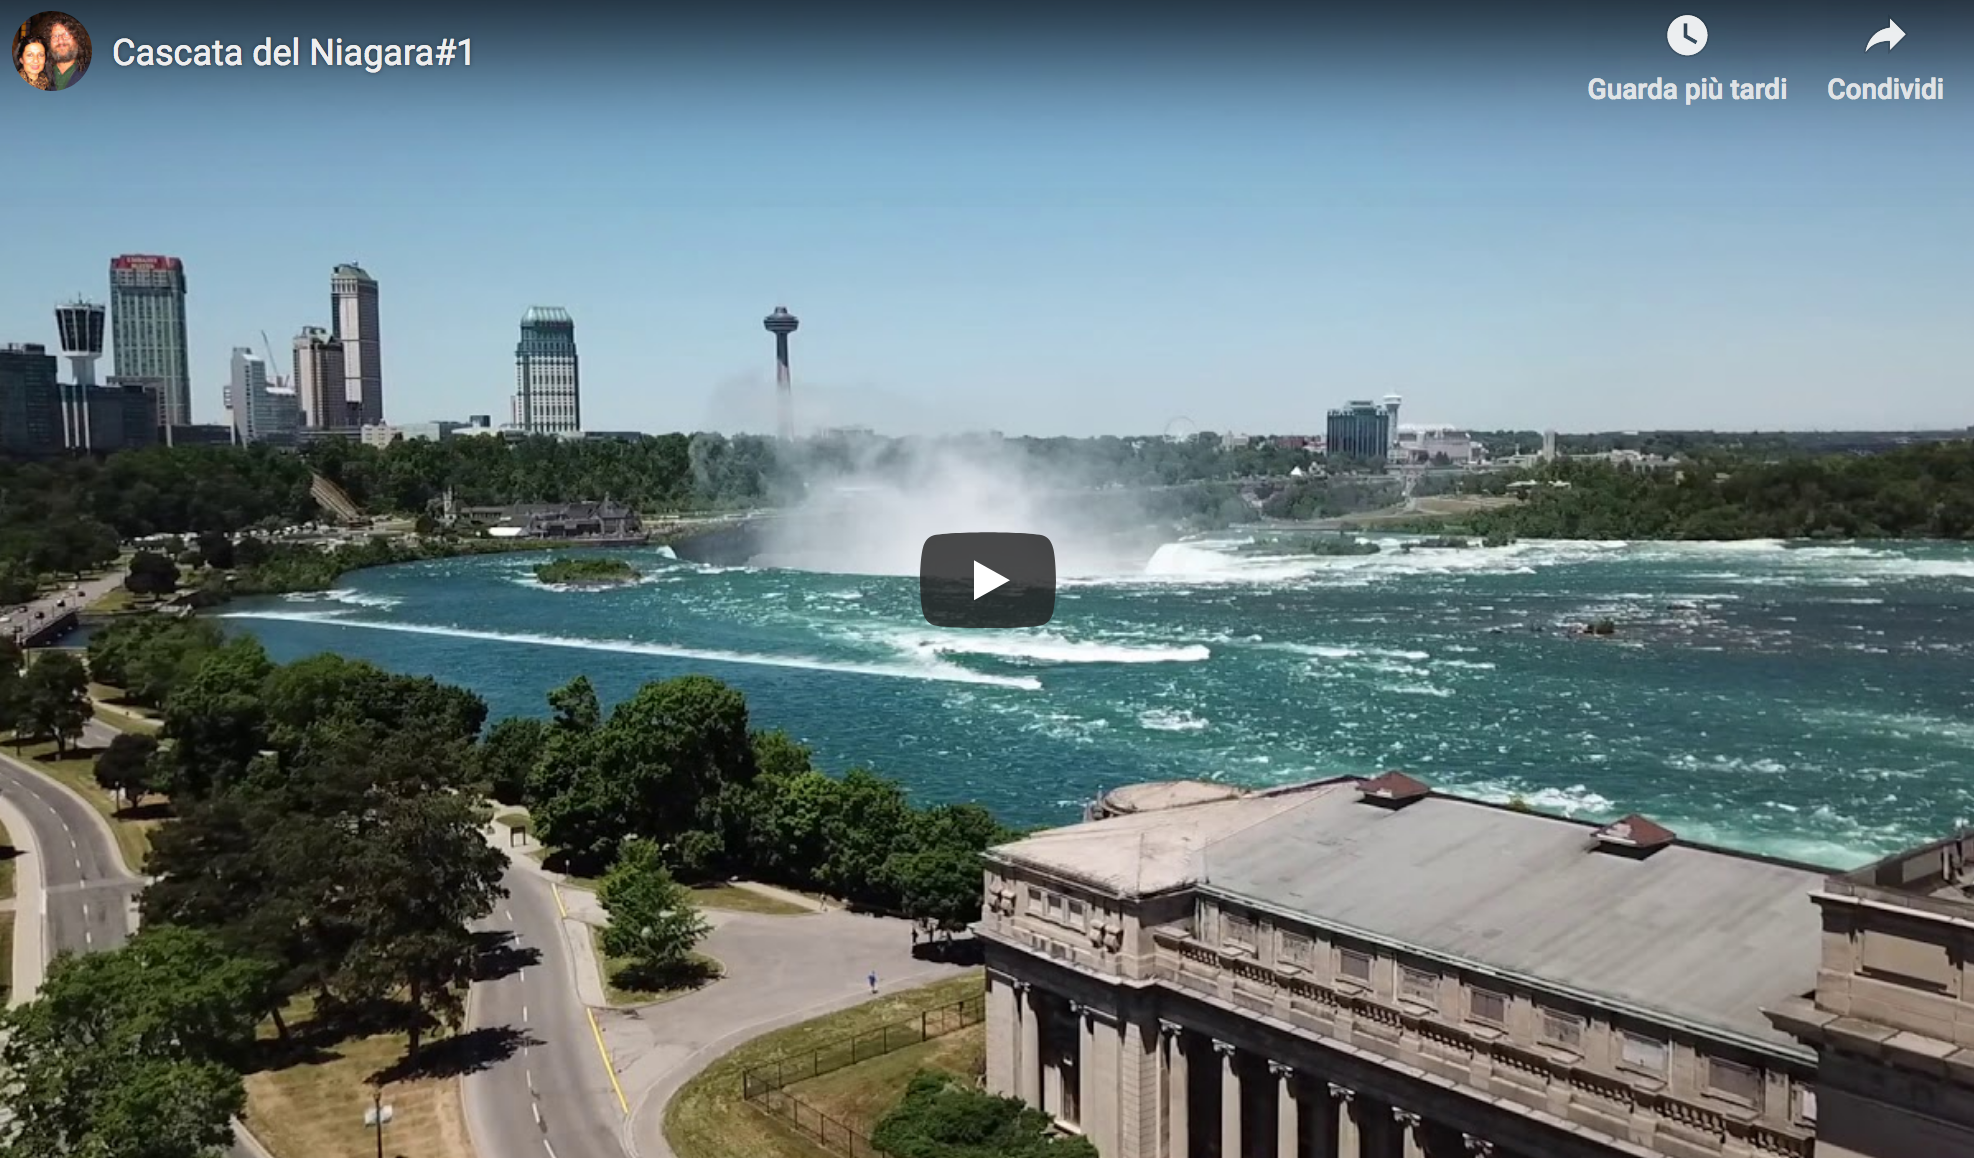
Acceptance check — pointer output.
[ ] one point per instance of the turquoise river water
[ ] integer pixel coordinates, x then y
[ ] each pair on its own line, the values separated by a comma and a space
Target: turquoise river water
1808, 701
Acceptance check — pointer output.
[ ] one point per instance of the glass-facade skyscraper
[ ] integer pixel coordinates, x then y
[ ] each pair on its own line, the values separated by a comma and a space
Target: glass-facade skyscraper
147, 329
353, 318
547, 385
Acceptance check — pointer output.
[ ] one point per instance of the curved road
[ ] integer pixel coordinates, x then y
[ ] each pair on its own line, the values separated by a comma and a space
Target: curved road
87, 900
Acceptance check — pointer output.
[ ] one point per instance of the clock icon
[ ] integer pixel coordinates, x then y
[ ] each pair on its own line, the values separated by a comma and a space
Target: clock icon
1687, 35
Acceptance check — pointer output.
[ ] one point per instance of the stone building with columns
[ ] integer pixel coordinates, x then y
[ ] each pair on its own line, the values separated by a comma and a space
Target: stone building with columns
1369, 969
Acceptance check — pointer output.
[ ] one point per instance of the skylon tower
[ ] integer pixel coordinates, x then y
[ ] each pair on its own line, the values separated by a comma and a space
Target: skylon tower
781, 323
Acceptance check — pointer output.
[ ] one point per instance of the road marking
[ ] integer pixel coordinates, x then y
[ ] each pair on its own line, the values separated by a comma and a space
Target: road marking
530, 1075
85, 912
608, 1068
88, 937
536, 1106
524, 1013
508, 913
556, 890
547, 1147
71, 840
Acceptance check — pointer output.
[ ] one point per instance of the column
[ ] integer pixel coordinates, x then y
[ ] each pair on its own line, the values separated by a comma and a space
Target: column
1288, 1119
1349, 1141
1409, 1128
1028, 1059
1178, 1138
1478, 1147
1230, 1101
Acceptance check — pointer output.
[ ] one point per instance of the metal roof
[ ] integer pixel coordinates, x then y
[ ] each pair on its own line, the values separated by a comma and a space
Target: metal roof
1702, 935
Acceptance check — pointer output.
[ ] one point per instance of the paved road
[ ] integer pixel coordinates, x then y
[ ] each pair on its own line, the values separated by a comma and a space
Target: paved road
551, 1096
780, 970
89, 895
89, 900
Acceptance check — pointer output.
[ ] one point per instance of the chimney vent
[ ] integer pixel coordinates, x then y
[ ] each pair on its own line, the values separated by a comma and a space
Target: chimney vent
1633, 836
1392, 790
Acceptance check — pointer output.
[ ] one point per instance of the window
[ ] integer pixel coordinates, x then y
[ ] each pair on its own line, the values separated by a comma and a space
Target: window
1487, 1006
1643, 1054
1078, 913
1417, 985
1237, 932
1734, 1080
1806, 1104
1354, 965
1298, 952
1034, 899
1055, 906
1562, 1029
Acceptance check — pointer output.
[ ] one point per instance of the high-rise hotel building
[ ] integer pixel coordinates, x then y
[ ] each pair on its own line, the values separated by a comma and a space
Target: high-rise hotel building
147, 329
319, 384
353, 314
547, 386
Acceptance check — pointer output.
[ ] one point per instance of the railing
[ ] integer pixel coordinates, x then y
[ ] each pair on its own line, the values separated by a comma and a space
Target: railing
765, 1086
1506, 1055
848, 1051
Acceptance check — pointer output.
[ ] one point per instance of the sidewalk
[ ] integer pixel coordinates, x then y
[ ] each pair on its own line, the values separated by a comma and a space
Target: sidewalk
30, 907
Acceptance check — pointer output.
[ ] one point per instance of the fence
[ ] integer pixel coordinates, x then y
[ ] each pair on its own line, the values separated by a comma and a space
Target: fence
765, 1086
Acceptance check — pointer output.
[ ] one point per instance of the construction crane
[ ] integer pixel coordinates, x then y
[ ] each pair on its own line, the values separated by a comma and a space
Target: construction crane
267, 348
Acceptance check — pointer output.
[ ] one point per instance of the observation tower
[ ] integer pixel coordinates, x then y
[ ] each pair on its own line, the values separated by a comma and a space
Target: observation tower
781, 323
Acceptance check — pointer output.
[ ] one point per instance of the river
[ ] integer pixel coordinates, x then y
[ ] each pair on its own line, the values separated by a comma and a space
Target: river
1806, 701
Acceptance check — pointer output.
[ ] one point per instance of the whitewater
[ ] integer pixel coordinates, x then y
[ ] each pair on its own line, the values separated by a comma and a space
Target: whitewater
1805, 701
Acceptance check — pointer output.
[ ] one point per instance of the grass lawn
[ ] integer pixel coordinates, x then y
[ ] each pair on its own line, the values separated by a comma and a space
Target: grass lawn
623, 986
78, 771
312, 1107
858, 1096
117, 599
735, 898
709, 1120
114, 709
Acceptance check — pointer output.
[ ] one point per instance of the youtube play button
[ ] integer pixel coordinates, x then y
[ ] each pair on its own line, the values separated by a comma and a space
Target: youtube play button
987, 579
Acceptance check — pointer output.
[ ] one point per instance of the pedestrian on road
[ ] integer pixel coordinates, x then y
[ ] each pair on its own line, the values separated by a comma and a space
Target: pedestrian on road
873, 981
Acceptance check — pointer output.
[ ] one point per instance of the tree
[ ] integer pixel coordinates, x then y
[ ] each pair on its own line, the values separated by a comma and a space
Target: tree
653, 921
151, 574
133, 1051
217, 548
939, 885
13, 692
124, 768
512, 749
422, 872
942, 1116
216, 721
55, 691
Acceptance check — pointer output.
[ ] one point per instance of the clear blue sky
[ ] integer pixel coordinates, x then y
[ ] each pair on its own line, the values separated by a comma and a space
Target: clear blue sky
1010, 221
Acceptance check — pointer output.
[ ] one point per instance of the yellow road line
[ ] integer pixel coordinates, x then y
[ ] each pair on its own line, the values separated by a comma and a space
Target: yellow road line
555, 890
608, 1068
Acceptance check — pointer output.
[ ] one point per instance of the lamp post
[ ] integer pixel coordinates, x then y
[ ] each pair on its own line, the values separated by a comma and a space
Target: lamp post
377, 1115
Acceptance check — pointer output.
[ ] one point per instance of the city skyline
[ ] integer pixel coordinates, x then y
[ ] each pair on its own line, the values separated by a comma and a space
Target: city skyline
1052, 240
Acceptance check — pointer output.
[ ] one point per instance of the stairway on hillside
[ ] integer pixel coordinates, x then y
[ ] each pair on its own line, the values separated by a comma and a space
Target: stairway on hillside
334, 500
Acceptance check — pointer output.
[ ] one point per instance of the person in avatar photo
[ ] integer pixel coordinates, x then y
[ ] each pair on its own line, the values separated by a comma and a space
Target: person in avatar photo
31, 61
51, 50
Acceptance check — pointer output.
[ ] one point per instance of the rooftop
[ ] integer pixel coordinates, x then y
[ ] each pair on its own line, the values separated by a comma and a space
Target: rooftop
1693, 933
550, 315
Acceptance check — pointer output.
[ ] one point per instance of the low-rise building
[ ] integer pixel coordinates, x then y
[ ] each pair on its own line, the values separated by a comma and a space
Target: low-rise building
1369, 969
604, 520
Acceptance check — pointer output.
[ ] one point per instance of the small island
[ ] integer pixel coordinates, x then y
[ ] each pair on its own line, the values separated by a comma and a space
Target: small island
586, 572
